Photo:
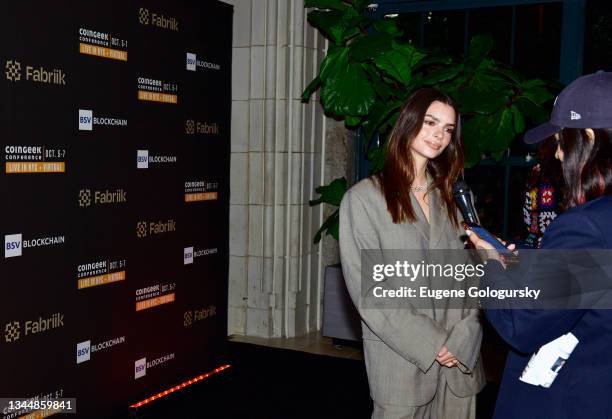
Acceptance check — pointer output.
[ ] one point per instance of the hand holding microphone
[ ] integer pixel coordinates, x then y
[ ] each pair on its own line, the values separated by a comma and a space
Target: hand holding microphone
478, 235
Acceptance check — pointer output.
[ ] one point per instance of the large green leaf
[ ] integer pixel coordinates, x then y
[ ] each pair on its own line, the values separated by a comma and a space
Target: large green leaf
352, 121
348, 92
332, 193
480, 46
477, 99
536, 114
410, 52
396, 65
496, 131
334, 62
380, 113
537, 95
442, 74
311, 88
326, 4
336, 25
517, 119
369, 47
387, 26
330, 226
472, 151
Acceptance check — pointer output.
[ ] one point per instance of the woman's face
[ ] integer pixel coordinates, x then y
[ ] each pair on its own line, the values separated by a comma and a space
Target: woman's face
559, 152
436, 132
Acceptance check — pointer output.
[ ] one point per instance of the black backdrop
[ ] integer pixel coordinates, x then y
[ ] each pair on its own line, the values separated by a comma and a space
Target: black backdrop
107, 266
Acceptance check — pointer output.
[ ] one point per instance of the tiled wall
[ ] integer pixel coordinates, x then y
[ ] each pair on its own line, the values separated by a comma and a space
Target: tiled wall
275, 282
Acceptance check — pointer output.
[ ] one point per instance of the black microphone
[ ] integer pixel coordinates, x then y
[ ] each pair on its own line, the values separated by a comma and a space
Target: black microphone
463, 198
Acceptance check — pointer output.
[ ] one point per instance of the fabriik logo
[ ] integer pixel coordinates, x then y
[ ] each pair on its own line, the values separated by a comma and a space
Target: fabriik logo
141, 229
187, 318
13, 73
13, 70
190, 127
84, 198
147, 17
143, 16
12, 245
12, 332
144, 228
191, 61
192, 316
197, 127
101, 197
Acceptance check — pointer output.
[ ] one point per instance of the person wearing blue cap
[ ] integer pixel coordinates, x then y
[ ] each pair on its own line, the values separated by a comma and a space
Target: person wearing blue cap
581, 123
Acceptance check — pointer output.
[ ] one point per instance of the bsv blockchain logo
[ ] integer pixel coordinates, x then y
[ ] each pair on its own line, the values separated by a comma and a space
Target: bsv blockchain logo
12, 245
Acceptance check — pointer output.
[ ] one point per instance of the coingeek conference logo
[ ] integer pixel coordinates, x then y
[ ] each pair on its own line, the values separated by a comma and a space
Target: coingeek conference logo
14, 73
101, 44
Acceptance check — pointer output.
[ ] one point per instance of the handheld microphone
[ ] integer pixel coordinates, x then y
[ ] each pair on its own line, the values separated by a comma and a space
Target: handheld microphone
463, 198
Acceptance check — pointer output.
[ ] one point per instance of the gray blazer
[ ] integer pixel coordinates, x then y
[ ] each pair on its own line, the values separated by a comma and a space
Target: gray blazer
400, 345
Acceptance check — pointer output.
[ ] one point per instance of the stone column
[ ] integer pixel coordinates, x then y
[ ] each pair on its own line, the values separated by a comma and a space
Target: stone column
276, 273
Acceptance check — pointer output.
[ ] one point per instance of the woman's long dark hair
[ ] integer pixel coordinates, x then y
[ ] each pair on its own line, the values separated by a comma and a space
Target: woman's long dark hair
587, 164
398, 174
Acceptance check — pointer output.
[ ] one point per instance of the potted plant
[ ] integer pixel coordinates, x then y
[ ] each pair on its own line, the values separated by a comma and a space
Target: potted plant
369, 71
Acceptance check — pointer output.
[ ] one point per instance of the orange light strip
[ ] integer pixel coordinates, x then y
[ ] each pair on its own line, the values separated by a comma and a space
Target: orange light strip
180, 386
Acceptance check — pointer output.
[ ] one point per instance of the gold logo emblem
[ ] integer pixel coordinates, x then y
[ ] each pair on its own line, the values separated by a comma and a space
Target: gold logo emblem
12, 331
143, 16
13, 70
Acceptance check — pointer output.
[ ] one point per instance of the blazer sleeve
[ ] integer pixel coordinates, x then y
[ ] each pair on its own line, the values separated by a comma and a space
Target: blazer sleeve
465, 338
414, 336
528, 329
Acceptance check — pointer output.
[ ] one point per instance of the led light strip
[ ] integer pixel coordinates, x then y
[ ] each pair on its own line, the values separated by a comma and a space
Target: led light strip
180, 386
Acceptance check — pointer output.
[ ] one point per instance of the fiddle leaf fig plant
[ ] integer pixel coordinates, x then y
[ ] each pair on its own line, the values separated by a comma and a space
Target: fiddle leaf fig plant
369, 71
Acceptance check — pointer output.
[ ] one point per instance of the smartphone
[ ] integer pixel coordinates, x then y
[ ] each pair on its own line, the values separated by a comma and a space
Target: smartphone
488, 237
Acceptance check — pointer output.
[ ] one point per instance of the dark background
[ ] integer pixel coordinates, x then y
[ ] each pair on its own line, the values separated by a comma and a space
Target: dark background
43, 280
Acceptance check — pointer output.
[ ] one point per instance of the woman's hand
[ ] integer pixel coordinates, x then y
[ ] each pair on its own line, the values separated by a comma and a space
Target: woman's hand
481, 244
446, 358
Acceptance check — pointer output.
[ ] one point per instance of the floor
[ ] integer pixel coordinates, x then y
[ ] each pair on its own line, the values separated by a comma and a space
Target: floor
307, 377
312, 343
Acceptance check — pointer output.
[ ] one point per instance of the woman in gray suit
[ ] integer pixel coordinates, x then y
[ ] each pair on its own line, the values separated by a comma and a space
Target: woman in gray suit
422, 362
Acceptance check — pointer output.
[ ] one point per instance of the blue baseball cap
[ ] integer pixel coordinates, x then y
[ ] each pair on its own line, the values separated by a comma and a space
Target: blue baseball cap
584, 103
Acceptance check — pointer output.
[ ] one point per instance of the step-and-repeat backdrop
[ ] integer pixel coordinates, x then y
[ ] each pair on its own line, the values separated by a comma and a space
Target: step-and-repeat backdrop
115, 136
